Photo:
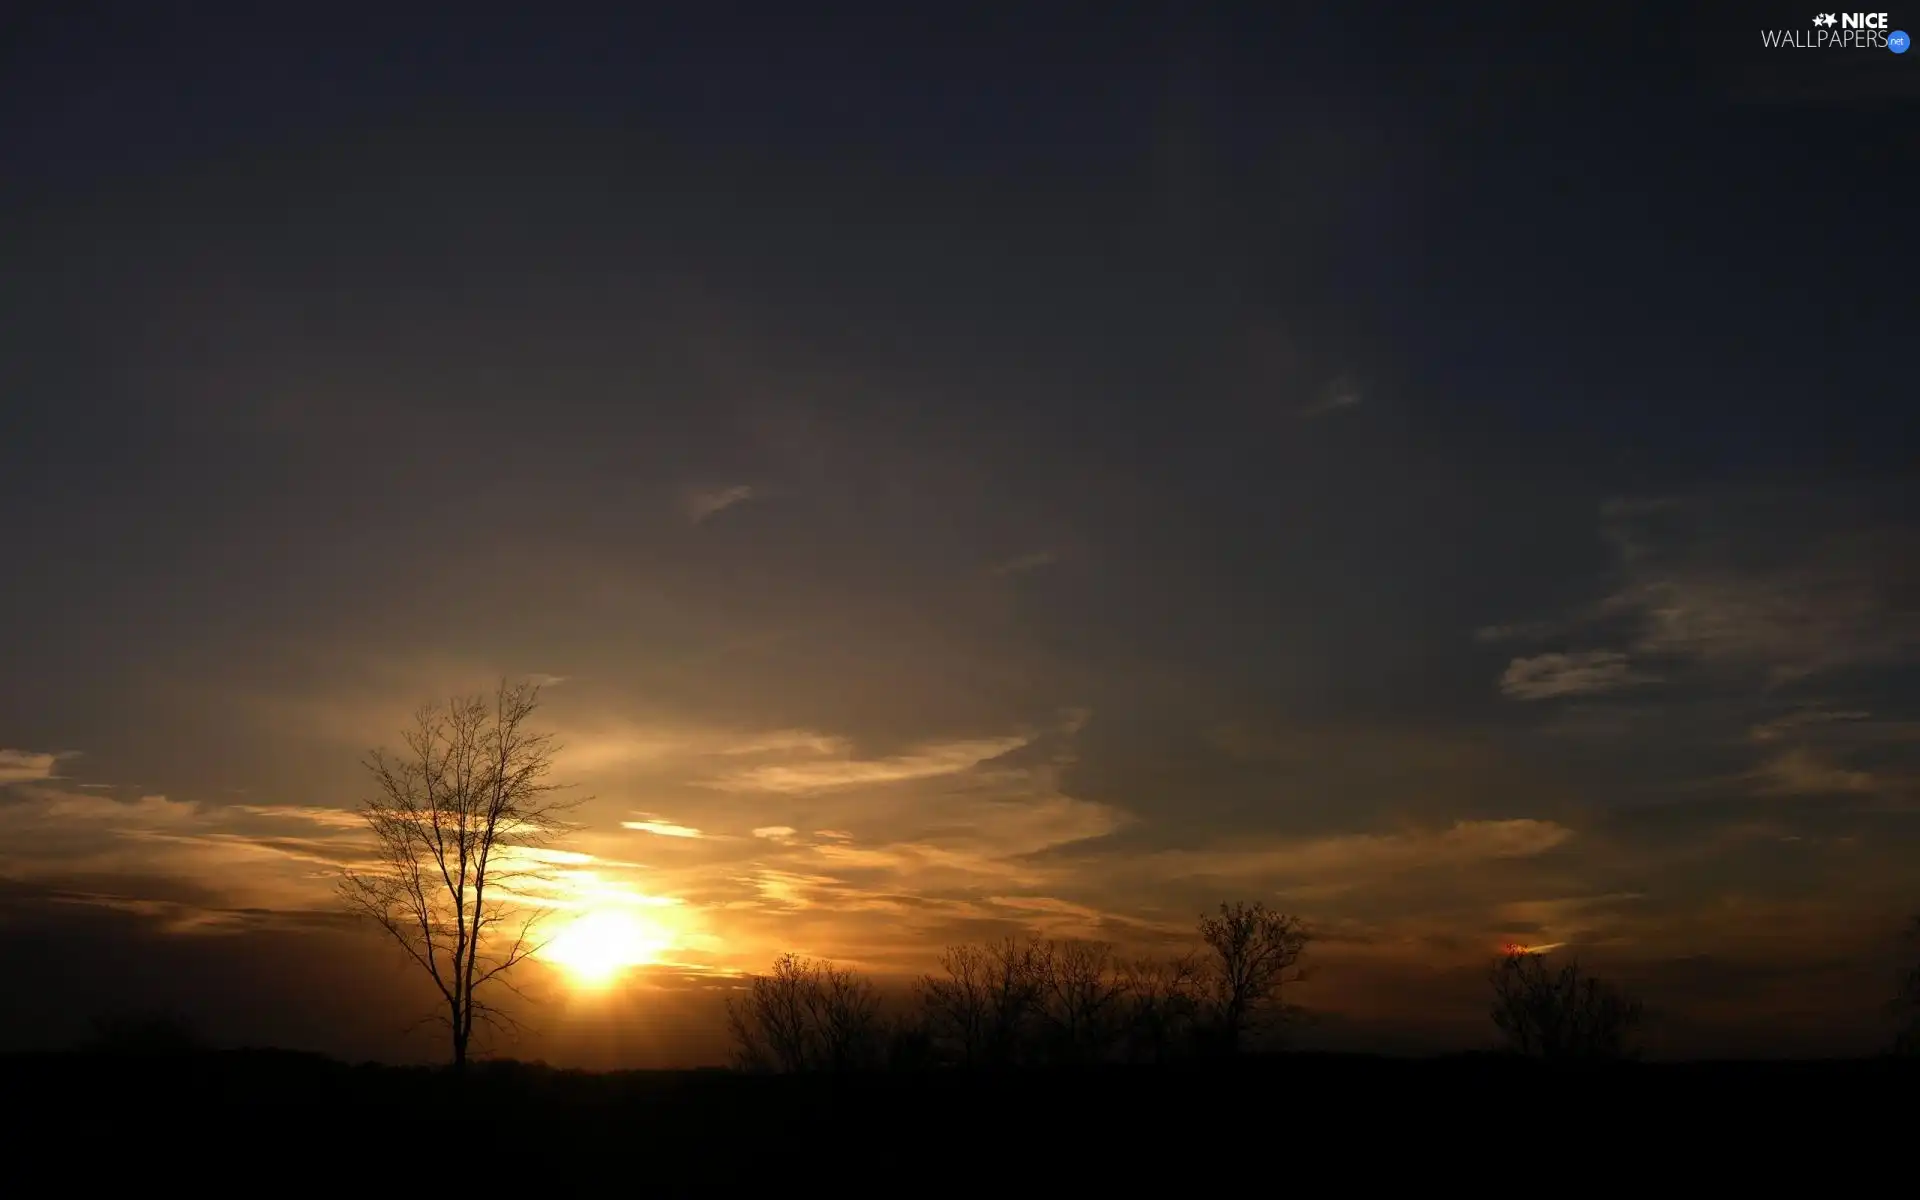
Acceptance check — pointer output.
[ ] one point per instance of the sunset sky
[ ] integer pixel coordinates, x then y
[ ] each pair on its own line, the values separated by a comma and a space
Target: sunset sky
956, 480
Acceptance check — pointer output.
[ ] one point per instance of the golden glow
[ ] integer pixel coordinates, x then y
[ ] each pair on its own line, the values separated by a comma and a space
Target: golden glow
598, 946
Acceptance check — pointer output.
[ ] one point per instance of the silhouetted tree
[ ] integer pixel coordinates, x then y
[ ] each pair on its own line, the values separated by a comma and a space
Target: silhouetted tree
1080, 1000
958, 1005
1562, 1014
1020, 1002
909, 1043
1014, 989
1906, 1002
1162, 1003
452, 820
1255, 953
808, 1015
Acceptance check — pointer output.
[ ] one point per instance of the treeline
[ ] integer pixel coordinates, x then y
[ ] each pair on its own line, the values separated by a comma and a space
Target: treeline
1034, 1003
1031, 1002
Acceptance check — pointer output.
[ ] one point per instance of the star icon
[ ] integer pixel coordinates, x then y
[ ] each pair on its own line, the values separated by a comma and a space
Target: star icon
1823, 19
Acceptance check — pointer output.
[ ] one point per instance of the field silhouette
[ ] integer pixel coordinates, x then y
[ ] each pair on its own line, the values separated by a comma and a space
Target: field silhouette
879, 1132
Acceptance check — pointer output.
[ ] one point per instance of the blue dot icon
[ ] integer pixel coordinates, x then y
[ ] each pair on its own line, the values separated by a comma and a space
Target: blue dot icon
1898, 41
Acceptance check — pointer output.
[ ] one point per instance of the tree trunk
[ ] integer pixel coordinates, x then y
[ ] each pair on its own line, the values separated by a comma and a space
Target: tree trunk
459, 1050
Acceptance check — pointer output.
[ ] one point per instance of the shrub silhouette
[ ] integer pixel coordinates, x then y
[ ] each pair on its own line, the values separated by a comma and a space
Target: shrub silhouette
808, 1015
1031, 1002
1164, 1002
1563, 1014
982, 1010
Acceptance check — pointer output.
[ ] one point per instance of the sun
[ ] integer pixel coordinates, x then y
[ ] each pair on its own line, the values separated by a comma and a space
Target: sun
596, 947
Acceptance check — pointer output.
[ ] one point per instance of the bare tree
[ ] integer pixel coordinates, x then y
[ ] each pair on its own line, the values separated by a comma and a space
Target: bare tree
846, 1010
986, 1006
1081, 993
453, 818
1014, 991
808, 1015
1162, 1003
1255, 954
770, 1026
958, 1004
1564, 1014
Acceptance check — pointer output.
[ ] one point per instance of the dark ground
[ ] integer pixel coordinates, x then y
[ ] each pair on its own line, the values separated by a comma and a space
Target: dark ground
1141, 1128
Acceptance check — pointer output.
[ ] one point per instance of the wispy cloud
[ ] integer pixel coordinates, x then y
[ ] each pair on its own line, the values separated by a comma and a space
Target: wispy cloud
1340, 393
1789, 585
841, 771
1800, 772
1784, 586
1546, 676
649, 823
785, 741
1023, 563
591, 750
700, 504
966, 843
1773, 730
332, 818
1351, 860
24, 766
90, 806
1795, 625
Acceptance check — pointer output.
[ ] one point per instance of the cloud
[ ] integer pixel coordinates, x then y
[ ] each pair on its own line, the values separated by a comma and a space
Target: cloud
699, 504
1023, 563
1537, 948
1545, 676
786, 741
147, 810
1340, 393
887, 871
1800, 772
1773, 730
1794, 583
1351, 860
841, 771
970, 843
1782, 585
332, 818
667, 746
1796, 625
651, 824
25, 766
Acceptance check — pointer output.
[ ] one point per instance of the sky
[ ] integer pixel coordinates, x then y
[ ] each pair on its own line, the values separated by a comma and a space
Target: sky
1045, 472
